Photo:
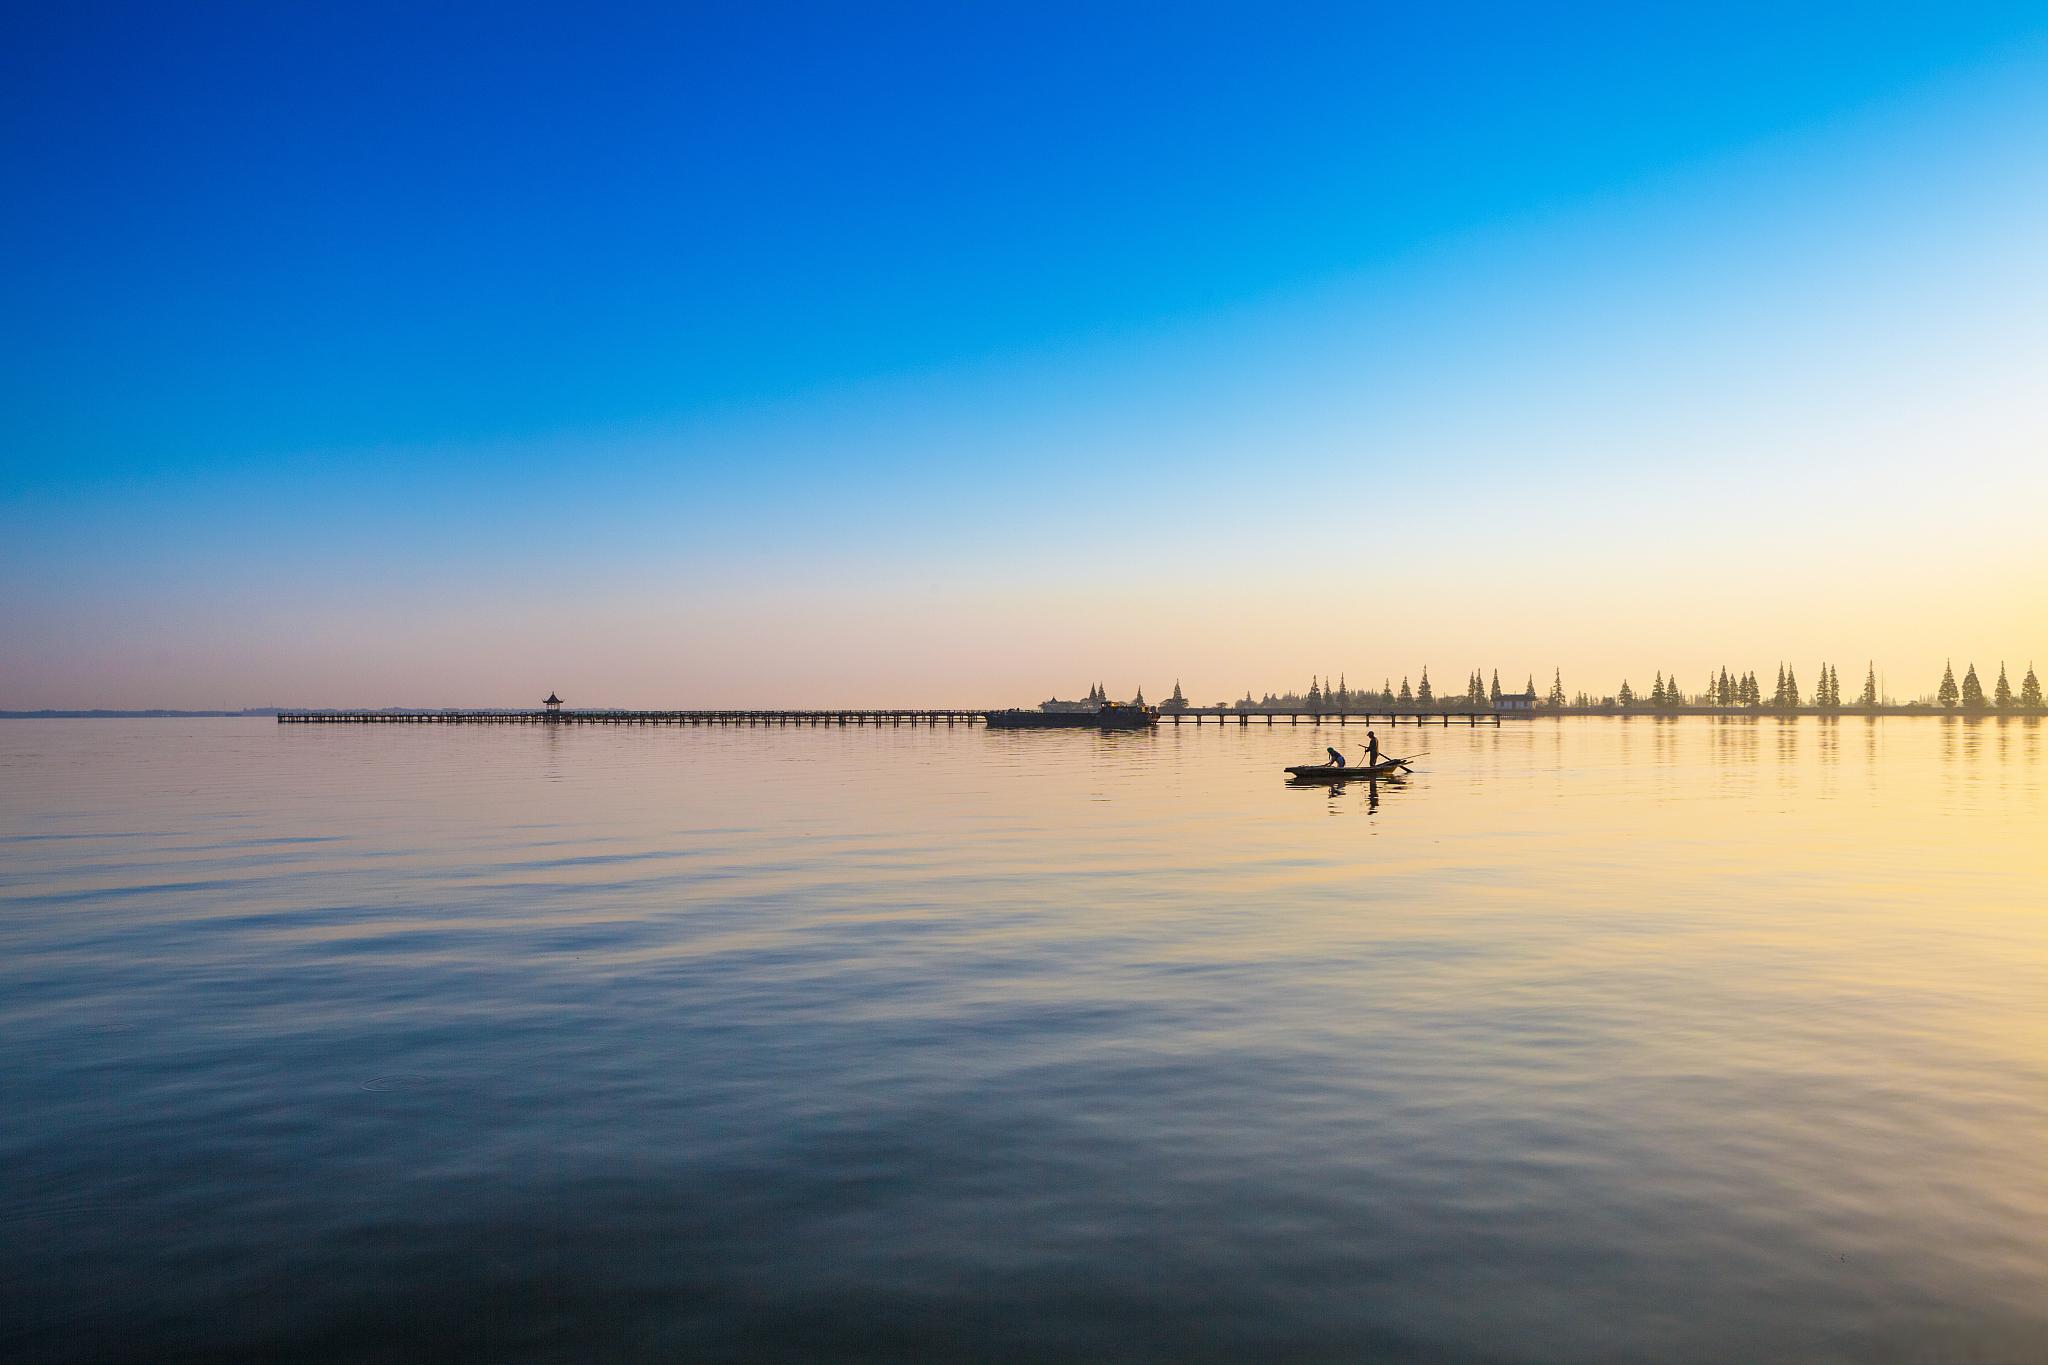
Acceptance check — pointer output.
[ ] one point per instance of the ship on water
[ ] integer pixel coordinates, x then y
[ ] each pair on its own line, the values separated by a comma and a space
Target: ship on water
1096, 712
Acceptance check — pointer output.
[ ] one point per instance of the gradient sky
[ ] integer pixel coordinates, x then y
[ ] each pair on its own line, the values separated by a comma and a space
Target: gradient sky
858, 355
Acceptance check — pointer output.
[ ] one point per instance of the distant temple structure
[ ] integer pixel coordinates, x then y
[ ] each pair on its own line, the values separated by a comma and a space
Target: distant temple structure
1516, 703
554, 704
1097, 696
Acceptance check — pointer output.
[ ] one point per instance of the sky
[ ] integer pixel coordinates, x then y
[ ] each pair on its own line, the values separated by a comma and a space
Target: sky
865, 355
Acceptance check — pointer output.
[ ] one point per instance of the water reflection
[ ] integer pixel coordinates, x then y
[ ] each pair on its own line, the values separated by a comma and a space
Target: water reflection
1336, 787
944, 1044
1788, 729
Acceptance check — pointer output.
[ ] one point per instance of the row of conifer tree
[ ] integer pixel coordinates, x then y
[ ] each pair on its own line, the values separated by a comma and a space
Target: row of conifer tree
1732, 689
1970, 696
1724, 689
1478, 694
1727, 689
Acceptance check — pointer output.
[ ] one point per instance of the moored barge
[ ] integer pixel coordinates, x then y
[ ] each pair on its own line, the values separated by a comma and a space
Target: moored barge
1108, 716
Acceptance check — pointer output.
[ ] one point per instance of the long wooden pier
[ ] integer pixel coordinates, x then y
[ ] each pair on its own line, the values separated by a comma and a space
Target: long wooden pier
909, 716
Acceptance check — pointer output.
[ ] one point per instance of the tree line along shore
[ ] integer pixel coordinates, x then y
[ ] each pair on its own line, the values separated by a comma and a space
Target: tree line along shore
1727, 692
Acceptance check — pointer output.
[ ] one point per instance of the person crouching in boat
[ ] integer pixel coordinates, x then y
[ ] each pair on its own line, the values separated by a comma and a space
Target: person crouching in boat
1336, 759
1372, 750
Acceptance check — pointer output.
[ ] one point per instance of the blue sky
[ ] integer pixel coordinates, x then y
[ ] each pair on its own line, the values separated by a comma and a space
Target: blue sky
734, 321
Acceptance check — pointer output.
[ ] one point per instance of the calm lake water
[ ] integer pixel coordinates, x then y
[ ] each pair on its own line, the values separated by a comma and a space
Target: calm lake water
1596, 1040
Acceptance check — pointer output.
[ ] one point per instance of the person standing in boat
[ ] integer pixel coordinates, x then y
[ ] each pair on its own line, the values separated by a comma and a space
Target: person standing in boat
1336, 759
1372, 750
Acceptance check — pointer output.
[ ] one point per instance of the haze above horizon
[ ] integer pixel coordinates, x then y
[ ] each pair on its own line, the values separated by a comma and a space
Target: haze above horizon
786, 356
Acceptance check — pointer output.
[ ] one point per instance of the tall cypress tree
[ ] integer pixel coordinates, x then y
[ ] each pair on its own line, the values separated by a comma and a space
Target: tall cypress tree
1869, 697
2030, 690
1423, 696
1657, 691
1626, 697
2001, 695
1407, 697
1973, 691
1946, 693
1494, 695
1556, 697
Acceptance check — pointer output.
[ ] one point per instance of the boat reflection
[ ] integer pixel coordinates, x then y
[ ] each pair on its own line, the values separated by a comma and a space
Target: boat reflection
1335, 785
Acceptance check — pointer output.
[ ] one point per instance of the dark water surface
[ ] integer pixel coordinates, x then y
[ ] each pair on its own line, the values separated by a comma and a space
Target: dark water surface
1596, 1041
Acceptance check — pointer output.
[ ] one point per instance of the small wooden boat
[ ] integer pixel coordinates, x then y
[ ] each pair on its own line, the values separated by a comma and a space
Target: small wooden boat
1326, 772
